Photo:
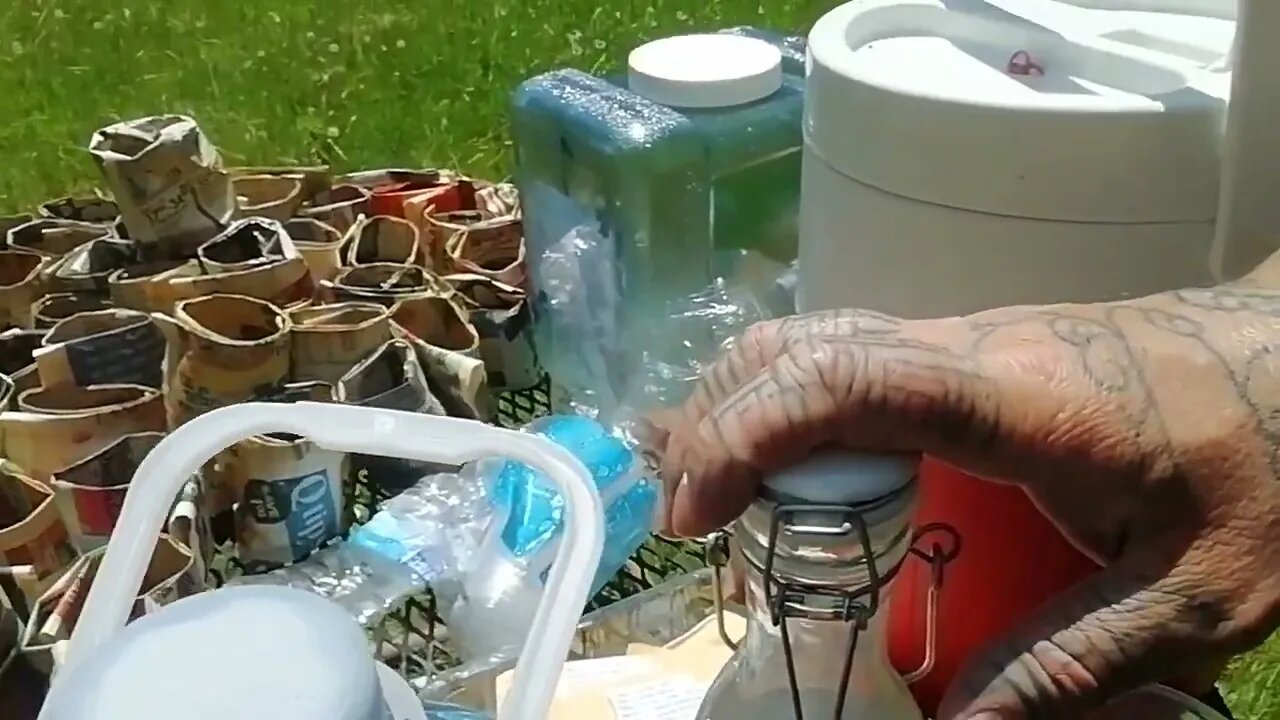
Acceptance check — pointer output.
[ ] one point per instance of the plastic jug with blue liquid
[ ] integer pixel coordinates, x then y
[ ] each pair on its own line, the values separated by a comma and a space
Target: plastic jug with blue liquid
657, 183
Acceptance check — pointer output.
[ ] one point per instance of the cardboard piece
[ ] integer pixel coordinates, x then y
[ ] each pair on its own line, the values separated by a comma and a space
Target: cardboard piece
648, 683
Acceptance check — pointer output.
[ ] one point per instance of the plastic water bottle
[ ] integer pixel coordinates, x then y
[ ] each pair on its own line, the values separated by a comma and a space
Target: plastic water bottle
483, 538
491, 612
426, 535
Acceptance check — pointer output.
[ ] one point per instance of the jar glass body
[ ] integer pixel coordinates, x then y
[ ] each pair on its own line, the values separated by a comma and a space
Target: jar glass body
755, 683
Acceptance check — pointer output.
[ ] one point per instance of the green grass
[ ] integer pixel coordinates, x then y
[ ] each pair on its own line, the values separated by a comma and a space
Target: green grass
354, 83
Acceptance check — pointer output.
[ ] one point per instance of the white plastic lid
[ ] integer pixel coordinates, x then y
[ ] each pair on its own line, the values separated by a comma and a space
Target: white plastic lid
239, 652
844, 477
705, 71
1027, 108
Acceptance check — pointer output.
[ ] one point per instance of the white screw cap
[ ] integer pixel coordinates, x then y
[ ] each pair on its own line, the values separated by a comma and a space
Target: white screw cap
705, 71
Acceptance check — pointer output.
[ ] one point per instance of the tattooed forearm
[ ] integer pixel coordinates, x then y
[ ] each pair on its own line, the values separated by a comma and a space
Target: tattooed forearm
1232, 300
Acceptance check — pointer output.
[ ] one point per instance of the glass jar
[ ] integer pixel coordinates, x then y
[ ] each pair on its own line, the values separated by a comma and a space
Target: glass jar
821, 547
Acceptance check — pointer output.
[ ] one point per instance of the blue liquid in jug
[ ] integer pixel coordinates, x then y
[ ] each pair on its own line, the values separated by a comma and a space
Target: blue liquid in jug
654, 204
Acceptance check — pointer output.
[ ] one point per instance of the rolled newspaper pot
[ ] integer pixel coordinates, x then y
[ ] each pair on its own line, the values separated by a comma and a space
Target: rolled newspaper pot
168, 182
90, 492
55, 238
52, 428
383, 283
170, 576
102, 348
338, 206
146, 287
438, 321
21, 285
494, 248
381, 239
53, 309
34, 548
222, 350
319, 244
290, 498
329, 340
88, 268
249, 242
391, 377
90, 209
254, 258
276, 197
504, 321
315, 179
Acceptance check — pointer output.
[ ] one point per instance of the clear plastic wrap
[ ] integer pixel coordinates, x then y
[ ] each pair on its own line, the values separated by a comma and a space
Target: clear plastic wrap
613, 362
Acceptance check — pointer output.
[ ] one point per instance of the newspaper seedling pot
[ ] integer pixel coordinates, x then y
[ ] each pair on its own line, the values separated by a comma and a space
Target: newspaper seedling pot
21, 285
329, 340
100, 348
221, 350
167, 179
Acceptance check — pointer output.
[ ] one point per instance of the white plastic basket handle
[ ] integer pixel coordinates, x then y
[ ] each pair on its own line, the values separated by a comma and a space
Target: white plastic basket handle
371, 431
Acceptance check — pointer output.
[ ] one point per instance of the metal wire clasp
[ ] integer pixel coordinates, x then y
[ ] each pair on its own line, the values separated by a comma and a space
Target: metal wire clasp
786, 598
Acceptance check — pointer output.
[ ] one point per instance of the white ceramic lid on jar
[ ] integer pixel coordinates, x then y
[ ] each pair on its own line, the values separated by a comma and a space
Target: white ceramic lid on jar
1026, 108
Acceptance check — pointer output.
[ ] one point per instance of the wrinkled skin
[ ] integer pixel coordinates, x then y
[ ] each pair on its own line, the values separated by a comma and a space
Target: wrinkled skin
1148, 430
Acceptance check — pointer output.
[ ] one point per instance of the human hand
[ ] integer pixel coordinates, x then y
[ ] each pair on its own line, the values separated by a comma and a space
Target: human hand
1147, 430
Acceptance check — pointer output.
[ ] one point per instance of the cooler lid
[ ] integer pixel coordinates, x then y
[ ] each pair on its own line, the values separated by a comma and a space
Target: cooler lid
1030, 108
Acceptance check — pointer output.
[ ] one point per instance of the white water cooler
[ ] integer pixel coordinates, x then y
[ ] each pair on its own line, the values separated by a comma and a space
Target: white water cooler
967, 154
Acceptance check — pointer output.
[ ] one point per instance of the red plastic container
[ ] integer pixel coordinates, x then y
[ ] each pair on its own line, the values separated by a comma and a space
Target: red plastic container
1012, 560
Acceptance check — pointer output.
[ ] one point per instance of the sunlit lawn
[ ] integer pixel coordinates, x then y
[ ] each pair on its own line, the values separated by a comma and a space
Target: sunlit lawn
354, 83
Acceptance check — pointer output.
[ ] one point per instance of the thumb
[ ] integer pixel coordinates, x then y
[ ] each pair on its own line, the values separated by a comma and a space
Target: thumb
1117, 631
